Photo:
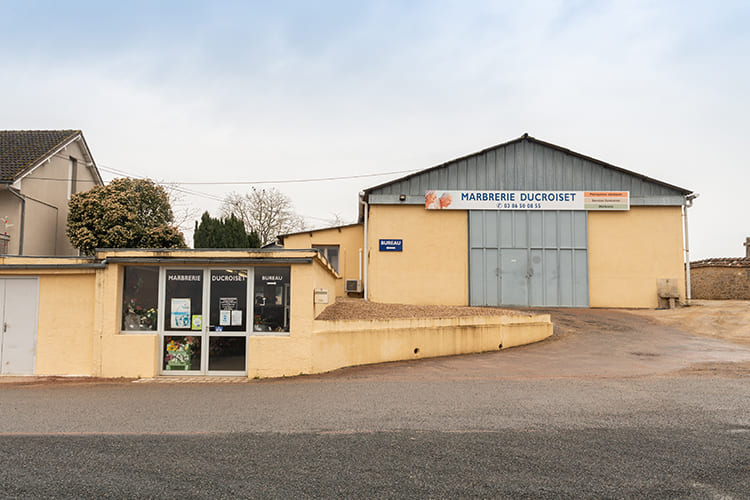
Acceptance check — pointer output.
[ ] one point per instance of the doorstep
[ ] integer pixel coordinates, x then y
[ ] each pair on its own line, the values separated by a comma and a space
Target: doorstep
193, 379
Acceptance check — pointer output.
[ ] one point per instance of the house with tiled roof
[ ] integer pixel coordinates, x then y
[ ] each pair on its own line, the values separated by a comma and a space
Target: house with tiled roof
39, 171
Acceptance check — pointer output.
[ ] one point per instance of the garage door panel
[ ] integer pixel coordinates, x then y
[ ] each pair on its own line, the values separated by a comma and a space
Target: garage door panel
476, 238
565, 270
536, 277
580, 230
477, 280
551, 278
513, 269
492, 286
536, 230
505, 233
549, 221
528, 258
581, 272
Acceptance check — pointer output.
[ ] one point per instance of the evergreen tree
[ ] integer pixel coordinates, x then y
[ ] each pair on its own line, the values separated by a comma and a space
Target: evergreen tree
223, 233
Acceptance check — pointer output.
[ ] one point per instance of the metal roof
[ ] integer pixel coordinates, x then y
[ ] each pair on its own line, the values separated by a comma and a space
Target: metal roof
527, 163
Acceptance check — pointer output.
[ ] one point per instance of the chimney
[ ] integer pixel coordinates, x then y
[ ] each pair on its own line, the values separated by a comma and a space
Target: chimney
747, 247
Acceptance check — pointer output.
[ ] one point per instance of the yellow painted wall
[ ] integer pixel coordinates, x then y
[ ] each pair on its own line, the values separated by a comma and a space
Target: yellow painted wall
66, 319
79, 326
629, 251
120, 354
350, 343
433, 266
350, 240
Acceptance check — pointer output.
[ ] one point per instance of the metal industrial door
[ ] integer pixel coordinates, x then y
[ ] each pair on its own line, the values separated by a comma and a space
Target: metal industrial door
535, 258
18, 312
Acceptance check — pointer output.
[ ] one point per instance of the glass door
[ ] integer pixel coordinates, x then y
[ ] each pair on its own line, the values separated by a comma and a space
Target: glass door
227, 322
182, 338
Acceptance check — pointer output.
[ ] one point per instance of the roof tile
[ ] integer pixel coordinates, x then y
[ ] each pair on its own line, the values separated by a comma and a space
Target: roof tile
20, 150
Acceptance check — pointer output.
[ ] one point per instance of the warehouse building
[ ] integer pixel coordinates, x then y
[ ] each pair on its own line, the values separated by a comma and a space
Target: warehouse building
524, 223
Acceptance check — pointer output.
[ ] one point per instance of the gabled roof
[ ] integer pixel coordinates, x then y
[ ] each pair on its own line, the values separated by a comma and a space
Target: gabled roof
525, 138
23, 150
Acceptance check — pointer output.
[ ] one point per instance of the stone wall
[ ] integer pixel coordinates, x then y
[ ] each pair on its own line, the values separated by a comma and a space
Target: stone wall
720, 279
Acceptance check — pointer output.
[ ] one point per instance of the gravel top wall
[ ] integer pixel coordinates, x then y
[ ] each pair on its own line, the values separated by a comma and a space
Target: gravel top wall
354, 309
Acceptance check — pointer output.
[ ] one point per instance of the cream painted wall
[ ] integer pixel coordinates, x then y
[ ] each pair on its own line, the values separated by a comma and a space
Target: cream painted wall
10, 208
433, 266
629, 251
350, 240
66, 321
46, 187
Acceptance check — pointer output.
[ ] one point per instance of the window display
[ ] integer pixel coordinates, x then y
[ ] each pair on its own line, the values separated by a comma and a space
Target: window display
184, 299
182, 353
228, 308
140, 298
272, 285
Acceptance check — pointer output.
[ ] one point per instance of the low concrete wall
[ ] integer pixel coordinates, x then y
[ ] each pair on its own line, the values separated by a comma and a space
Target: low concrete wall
337, 344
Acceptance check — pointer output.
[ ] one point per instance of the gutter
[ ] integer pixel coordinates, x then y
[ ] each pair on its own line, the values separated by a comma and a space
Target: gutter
689, 198
23, 216
366, 210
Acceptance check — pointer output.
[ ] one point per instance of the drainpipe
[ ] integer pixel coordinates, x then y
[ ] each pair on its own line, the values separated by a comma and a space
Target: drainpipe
688, 203
23, 216
366, 209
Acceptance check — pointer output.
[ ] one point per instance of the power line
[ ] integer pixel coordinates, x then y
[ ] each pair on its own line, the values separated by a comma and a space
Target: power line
289, 181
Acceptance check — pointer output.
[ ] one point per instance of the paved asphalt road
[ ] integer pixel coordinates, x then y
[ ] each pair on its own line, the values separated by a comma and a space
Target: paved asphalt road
599, 414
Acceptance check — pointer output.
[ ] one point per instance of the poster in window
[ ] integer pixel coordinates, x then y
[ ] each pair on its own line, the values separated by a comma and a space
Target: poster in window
237, 318
180, 317
225, 317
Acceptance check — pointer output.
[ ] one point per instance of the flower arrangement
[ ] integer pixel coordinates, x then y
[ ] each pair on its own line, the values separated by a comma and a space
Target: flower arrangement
146, 316
179, 352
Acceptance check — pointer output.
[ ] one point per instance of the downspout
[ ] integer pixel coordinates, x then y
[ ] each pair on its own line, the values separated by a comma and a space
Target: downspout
688, 203
23, 216
366, 209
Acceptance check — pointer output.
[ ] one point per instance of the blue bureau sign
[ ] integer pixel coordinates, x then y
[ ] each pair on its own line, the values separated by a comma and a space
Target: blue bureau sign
391, 245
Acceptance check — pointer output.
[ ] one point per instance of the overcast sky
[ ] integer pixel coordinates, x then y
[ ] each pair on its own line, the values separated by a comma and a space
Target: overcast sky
224, 91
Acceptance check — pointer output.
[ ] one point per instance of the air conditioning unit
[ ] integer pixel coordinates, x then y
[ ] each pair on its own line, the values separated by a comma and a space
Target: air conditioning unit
353, 286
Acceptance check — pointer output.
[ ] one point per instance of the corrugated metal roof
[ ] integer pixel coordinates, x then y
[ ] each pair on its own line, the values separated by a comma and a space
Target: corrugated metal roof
527, 163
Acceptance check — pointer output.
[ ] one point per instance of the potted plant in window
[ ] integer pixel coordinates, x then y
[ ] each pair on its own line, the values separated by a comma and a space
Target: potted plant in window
138, 317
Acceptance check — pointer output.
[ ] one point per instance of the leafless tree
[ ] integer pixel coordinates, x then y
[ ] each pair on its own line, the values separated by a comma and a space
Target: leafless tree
268, 212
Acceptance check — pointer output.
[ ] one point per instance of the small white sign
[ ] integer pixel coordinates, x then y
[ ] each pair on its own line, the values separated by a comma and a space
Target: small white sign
321, 296
225, 317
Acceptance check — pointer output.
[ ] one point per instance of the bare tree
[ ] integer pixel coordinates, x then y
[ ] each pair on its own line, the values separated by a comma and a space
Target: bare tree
268, 212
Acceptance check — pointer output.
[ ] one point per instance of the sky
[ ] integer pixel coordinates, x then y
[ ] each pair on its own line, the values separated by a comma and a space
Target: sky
217, 94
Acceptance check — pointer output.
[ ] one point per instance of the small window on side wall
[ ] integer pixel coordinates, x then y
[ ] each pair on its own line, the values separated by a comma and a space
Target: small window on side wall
140, 298
271, 299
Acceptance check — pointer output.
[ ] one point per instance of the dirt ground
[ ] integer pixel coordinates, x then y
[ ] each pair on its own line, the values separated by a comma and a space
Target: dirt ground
724, 319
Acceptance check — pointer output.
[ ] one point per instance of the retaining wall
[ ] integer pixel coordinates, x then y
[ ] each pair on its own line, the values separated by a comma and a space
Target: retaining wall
342, 343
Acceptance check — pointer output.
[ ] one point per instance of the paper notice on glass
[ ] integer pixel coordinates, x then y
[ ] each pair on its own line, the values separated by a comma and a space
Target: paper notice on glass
180, 317
237, 318
225, 318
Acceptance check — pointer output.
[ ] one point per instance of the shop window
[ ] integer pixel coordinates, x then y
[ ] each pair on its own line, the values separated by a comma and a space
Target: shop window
140, 298
228, 308
183, 306
181, 352
331, 253
271, 299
